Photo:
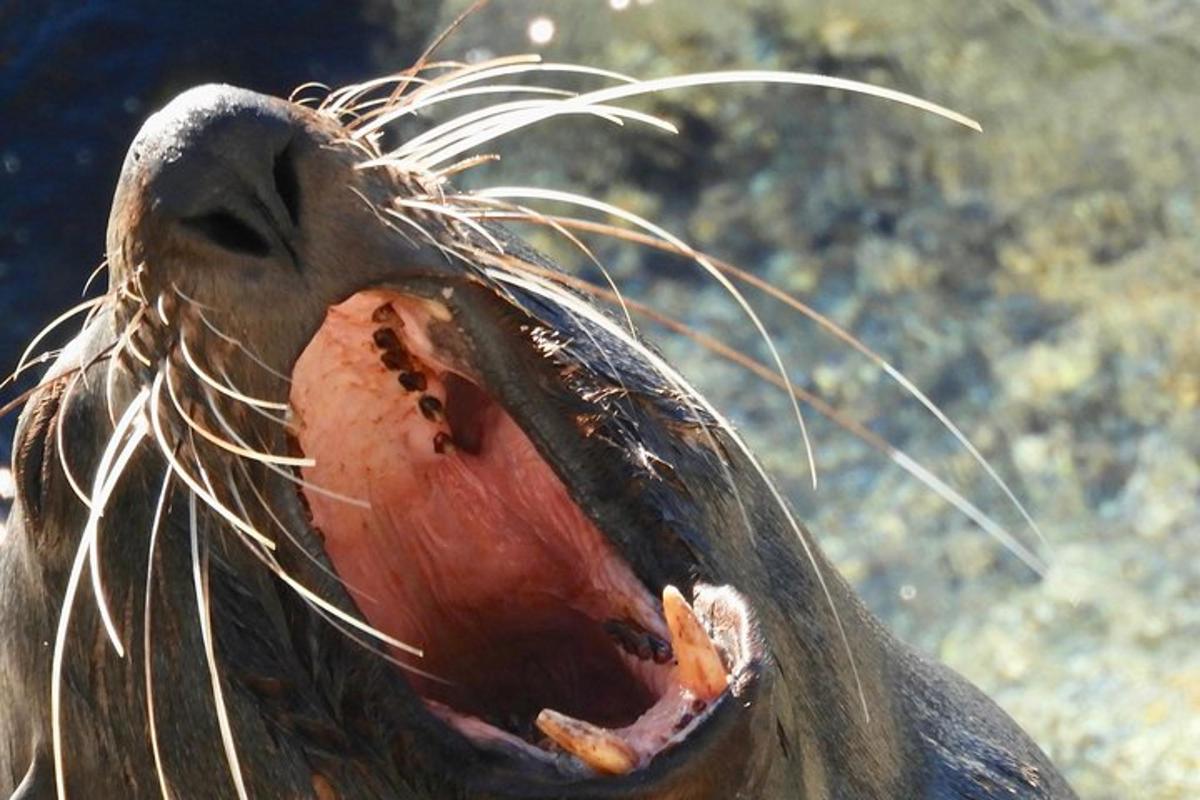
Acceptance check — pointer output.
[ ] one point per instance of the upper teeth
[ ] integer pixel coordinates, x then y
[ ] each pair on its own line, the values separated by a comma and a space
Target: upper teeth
698, 667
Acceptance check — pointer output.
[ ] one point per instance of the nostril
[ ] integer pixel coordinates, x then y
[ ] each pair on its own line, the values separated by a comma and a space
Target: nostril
287, 183
226, 230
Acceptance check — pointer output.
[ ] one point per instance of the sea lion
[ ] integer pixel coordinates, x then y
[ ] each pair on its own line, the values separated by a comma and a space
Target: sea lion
344, 492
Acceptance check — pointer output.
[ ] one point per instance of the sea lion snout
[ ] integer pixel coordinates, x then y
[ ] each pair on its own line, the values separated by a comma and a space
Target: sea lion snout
216, 162
256, 210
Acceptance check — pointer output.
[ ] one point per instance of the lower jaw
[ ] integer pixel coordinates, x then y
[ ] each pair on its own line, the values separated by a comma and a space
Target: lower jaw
690, 688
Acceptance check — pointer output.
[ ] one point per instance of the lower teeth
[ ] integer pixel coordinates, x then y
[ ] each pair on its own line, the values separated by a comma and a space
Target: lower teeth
698, 671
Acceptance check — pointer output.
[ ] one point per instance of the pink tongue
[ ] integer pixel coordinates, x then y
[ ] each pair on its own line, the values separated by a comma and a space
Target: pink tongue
469, 534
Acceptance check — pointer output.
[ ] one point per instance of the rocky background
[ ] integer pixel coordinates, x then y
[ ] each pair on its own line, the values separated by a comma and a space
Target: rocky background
1040, 281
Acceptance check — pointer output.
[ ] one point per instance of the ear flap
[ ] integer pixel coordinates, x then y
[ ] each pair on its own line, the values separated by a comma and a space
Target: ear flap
33, 451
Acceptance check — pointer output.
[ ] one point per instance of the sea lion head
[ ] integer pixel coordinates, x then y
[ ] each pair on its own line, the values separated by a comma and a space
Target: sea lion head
343, 491
413, 504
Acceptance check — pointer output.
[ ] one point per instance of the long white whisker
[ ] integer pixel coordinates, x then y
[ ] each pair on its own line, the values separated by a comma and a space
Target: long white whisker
147, 620
110, 375
385, 216
199, 309
92, 277
46, 331
291, 537
64, 619
56, 666
524, 119
447, 211
526, 214
168, 452
225, 389
235, 449
346, 98
126, 437
59, 442
415, 151
283, 473
316, 600
469, 76
204, 614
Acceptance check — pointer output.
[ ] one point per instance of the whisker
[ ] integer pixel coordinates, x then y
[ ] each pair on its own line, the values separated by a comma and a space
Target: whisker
990, 526
415, 151
295, 97
168, 452
897, 455
291, 537
698, 258
147, 631
520, 120
60, 441
46, 331
345, 100
283, 473
229, 447
36, 361
316, 600
94, 274
204, 615
114, 362
526, 214
465, 164
126, 437
225, 389
451, 213
681, 385
198, 308
437, 42
64, 618
471, 75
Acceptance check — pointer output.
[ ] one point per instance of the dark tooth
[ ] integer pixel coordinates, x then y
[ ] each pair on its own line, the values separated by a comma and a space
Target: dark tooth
636, 641
397, 361
430, 407
413, 381
386, 339
386, 313
662, 650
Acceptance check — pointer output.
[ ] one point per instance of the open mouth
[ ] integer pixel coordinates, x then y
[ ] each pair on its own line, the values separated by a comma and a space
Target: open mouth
454, 535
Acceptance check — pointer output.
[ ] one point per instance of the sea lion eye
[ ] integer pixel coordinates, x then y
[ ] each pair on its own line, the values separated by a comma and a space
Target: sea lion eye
226, 230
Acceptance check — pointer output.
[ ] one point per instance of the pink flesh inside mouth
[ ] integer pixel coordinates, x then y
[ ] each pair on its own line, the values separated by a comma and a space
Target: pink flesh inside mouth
464, 543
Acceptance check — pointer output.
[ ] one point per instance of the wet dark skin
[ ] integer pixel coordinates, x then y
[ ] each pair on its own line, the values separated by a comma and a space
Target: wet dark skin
251, 207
